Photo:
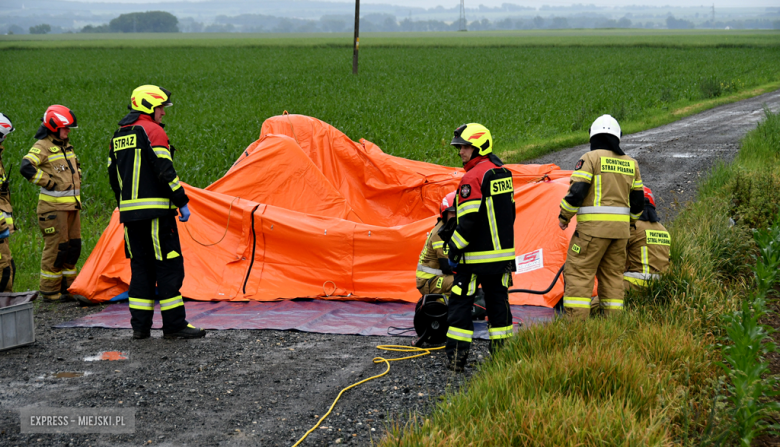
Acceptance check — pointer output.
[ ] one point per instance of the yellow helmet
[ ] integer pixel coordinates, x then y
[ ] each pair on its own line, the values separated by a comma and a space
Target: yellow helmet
146, 97
475, 135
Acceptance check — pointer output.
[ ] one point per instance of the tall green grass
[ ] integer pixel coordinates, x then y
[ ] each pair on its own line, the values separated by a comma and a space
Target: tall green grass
408, 98
651, 376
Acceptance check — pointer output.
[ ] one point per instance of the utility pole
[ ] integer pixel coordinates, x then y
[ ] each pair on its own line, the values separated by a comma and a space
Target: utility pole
713, 15
357, 38
462, 19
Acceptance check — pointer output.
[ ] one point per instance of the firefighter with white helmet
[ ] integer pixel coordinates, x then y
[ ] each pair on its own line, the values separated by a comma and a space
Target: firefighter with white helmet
605, 194
7, 265
482, 247
647, 254
433, 271
148, 193
53, 165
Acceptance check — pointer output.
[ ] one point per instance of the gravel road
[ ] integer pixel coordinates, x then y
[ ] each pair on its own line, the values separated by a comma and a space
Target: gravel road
674, 157
268, 387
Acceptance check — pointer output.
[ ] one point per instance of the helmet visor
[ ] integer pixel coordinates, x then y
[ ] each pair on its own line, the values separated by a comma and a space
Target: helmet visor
168, 102
458, 141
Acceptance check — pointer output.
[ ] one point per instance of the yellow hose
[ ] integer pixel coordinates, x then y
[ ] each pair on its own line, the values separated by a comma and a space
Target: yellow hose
394, 348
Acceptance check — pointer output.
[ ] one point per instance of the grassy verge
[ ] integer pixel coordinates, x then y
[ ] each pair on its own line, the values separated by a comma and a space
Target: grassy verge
651, 376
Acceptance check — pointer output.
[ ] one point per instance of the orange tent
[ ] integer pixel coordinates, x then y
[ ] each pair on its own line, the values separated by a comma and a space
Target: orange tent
306, 212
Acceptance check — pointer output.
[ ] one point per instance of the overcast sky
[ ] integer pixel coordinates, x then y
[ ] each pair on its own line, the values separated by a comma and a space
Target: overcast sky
494, 3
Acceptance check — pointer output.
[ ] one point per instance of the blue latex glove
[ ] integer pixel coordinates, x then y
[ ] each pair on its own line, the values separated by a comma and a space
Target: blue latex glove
5, 233
185, 213
453, 264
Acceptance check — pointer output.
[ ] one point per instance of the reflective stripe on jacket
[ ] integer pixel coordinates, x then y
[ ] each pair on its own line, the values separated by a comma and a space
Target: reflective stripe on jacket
603, 189
141, 172
428, 265
52, 164
484, 239
648, 249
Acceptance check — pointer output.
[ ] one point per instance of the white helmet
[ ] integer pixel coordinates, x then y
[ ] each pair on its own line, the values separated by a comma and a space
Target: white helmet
605, 124
5, 127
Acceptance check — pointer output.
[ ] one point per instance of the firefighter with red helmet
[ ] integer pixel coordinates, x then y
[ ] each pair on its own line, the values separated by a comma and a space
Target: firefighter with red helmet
605, 193
7, 266
482, 247
647, 253
52, 164
148, 193
433, 271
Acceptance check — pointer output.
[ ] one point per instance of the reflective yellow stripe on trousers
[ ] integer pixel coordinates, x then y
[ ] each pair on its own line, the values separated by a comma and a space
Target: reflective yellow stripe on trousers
170, 303
141, 304
635, 281
460, 334
612, 304
472, 285
156, 239
52, 275
576, 301
498, 333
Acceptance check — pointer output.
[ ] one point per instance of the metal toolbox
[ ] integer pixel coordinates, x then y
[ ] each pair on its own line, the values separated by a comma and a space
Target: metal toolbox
16, 319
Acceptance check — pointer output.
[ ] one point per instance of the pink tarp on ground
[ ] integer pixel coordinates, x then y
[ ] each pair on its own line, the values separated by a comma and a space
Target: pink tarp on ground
325, 317
306, 212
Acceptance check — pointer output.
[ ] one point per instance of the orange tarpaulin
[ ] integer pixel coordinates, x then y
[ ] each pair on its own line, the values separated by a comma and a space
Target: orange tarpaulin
306, 212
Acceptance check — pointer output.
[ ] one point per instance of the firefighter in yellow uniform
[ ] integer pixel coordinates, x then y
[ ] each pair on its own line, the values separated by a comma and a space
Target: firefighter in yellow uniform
433, 271
7, 266
647, 254
52, 164
605, 194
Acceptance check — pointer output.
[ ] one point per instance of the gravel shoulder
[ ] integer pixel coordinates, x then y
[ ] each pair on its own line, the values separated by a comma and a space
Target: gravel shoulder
268, 387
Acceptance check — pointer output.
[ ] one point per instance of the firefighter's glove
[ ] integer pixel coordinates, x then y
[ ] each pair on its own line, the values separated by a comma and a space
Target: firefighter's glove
185, 213
50, 185
453, 264
5, 234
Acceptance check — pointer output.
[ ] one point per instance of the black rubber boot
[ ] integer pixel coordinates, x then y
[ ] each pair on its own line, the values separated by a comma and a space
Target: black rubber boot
140, 335
189, 331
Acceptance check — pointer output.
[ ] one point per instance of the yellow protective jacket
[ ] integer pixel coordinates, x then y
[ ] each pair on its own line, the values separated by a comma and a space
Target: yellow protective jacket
52, 164
647, 252
433, 258
605, 193
7, 216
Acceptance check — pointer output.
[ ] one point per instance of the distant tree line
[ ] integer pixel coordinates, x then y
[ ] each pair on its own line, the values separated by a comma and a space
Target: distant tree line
43, 28
138, 22
258, 23
160, 22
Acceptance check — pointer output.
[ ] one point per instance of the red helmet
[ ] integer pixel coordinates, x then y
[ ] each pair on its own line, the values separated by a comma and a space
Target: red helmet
447, 203
57, 116
649, 196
